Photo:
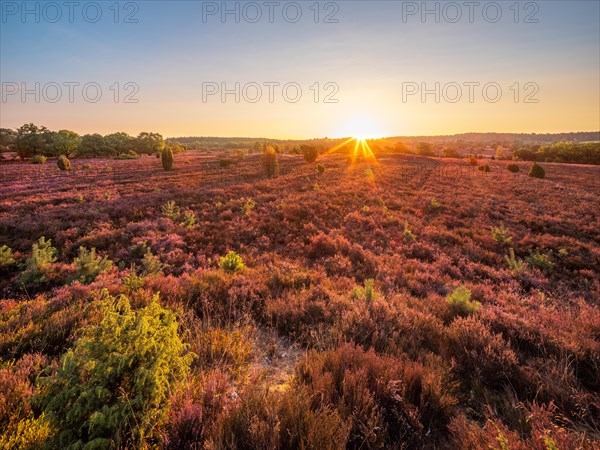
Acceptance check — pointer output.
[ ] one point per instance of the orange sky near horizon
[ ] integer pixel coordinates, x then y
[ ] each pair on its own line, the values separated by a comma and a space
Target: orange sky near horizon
363, 74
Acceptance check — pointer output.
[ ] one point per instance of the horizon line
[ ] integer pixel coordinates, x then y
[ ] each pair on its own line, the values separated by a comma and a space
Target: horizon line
383, 137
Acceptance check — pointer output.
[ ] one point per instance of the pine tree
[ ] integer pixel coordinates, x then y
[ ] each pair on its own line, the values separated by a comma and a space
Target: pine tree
167, 159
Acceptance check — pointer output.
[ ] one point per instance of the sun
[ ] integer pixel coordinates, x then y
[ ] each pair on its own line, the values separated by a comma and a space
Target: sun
359, 147
362, 148
363, 130
361, 127
366, 136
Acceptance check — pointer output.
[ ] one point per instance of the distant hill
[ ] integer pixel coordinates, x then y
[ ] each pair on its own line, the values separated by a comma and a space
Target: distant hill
507, 138
494, 139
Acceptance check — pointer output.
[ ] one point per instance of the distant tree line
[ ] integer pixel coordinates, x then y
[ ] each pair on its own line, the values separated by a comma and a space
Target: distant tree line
31, 140
504, 139
254, 145
561, 152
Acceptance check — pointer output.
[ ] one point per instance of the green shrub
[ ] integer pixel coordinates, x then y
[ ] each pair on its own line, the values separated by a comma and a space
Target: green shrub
408, 234
460, 301
27, 433
540, 260
89, 265
167, 159
170, 210
514, 264
321, 168
485, 168
224, 163
513, 168
369, 290
501, 235
151, 264
367, 293
248, 207
63, 163
37, 266
189, 220
6, 256
434, 205
537, 171
112, 388
38, 159
232, 262
270, 162
132, 281
310, 153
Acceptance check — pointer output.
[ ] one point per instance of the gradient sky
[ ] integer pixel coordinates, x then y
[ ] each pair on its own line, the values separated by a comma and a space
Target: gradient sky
369, 54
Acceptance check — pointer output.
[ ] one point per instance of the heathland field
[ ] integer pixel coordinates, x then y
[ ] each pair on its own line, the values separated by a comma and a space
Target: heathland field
405, 303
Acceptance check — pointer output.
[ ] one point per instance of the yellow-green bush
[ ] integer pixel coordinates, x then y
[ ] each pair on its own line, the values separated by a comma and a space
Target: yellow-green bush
89, 265
460, 301
38, 265
6, 256
113, 387
232, 262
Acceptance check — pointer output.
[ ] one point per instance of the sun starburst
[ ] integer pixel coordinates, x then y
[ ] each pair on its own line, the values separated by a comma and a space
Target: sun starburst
362, 147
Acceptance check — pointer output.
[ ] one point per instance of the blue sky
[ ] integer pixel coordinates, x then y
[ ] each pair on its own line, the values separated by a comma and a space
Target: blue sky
369, 53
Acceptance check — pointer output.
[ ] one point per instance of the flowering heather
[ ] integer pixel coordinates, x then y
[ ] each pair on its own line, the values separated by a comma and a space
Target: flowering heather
409, 303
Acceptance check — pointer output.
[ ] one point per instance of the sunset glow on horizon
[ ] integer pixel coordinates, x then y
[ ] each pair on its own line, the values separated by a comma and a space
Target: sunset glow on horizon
375, 71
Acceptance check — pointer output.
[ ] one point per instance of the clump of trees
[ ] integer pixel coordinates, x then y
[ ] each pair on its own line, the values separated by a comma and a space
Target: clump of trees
31, 140
401, 147
450, 152
7, 139
562, 152
425, 149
